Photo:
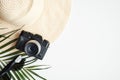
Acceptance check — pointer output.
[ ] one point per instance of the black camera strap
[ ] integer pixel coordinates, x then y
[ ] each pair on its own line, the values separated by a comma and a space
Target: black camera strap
12, 66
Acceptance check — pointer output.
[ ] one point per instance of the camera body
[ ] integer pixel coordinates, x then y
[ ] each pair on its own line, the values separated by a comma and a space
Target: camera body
32, 44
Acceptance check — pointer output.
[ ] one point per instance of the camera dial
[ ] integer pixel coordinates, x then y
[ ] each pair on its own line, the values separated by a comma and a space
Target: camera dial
32, 47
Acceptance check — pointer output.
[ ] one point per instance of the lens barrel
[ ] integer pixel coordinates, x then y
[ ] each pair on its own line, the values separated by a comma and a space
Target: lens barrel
32, 47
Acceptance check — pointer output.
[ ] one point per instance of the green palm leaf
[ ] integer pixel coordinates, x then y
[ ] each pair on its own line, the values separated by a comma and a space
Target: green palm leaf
8, 53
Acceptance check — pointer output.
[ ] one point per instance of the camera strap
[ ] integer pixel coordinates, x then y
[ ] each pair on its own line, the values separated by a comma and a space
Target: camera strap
12, 66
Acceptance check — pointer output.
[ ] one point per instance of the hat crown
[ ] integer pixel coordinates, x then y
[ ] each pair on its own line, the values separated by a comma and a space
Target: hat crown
20, 12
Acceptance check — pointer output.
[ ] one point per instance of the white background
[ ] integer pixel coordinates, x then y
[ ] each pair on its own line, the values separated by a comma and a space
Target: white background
89, 47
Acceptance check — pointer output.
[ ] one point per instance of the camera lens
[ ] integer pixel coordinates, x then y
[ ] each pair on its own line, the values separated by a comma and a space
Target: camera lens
32, 48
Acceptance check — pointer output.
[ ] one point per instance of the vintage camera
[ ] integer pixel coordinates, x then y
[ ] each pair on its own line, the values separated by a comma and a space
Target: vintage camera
32, 44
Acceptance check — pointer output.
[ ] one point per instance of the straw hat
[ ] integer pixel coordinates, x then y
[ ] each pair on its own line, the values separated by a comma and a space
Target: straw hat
44, 17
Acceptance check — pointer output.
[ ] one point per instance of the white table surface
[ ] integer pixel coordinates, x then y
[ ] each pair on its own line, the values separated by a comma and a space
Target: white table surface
89, 47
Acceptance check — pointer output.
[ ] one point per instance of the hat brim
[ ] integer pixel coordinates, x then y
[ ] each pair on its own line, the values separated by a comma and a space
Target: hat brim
51, 22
